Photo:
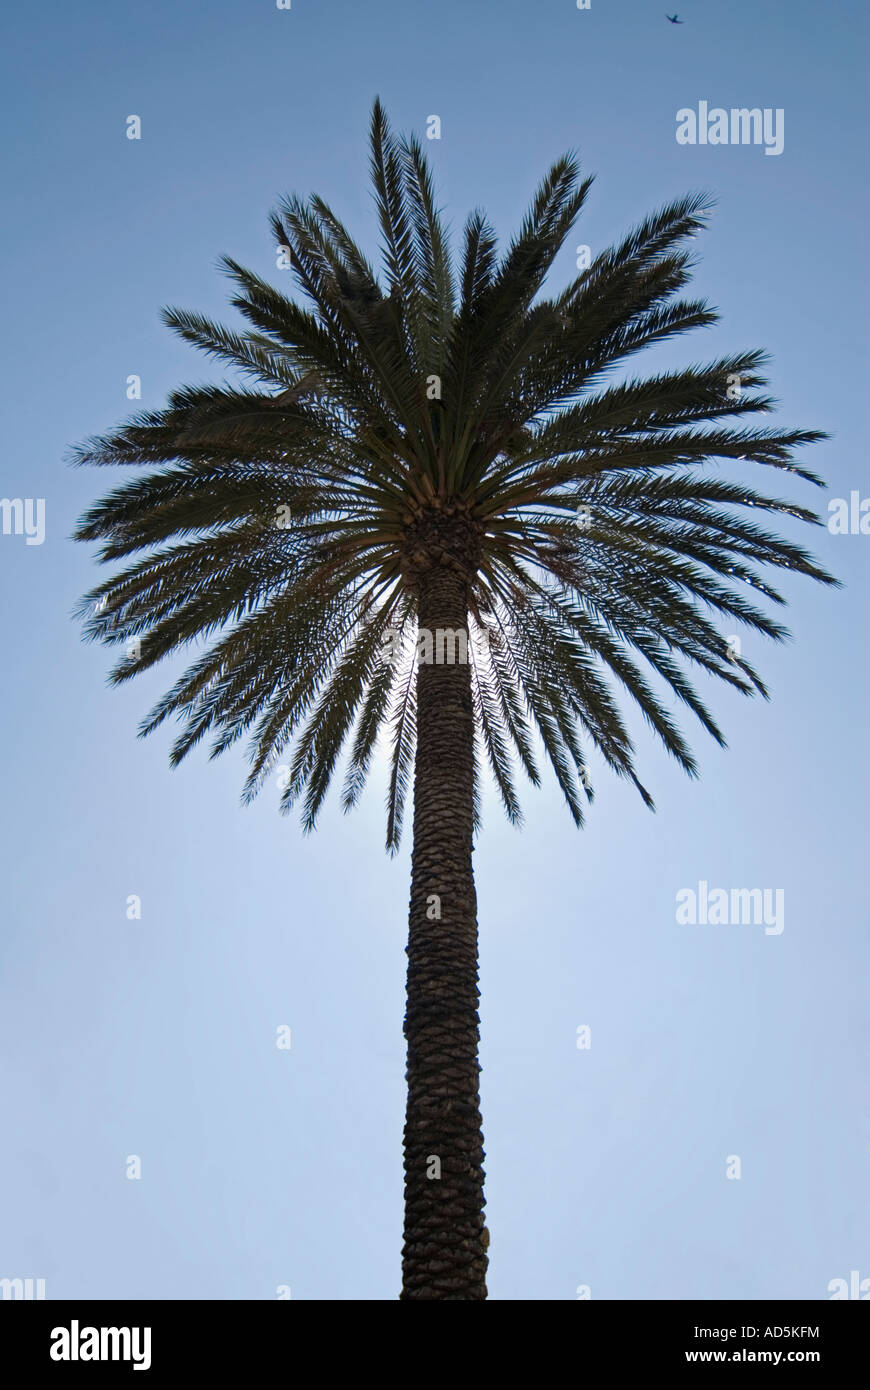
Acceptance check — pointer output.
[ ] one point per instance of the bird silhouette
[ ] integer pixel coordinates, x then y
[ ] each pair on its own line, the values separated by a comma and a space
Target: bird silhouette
673, 18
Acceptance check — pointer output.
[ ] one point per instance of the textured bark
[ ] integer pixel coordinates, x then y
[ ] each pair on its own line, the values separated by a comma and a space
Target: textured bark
444, 1254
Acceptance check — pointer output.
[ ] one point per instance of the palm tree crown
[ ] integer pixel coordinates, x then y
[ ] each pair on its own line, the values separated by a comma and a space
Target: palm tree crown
458, 416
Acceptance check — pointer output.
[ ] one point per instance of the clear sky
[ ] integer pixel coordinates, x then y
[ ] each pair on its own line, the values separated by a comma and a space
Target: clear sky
157, 1037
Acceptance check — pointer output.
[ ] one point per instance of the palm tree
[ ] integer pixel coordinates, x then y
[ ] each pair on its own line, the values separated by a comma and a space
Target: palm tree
431, 521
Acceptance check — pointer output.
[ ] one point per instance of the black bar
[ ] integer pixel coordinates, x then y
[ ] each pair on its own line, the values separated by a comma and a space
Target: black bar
220, 1338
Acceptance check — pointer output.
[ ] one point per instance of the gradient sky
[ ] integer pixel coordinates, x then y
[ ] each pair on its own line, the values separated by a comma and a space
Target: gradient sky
156, 1037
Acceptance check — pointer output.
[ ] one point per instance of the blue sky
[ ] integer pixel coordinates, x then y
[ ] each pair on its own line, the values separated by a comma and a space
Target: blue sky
606, 1167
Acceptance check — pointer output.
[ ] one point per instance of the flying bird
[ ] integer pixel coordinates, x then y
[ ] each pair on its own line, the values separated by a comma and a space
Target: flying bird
673, 18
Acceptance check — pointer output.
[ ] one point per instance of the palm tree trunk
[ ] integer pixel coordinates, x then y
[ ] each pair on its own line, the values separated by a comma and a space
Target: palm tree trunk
444, 1254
